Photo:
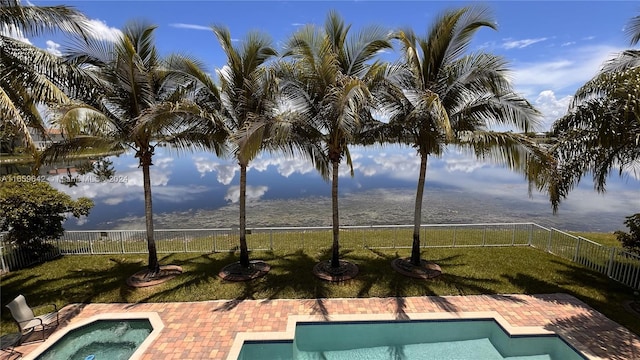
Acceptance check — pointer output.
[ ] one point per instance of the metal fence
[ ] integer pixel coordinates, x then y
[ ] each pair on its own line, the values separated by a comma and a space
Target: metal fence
616, 263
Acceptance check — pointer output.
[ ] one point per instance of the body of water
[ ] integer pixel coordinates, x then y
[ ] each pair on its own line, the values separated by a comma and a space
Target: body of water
199, 190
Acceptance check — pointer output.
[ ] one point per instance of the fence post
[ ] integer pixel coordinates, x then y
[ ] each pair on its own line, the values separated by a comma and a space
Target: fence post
576, 254
484, 235
91, 245
549, 241
364, 245
271, 239
122, 241
395, 237
184, 236
455, 233
4, 266
612, 251
513, 235
530, 234
215, 241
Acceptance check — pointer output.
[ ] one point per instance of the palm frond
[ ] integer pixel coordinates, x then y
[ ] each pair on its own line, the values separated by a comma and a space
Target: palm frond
38, 20
632, 30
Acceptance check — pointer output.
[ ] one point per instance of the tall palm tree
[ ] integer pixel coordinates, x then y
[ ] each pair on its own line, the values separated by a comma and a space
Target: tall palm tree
441, 96
601, 131
333, 71
249, 95
22, 64
131, 98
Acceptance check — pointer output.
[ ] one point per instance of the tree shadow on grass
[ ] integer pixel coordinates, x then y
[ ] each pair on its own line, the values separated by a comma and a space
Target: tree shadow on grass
248, 291
574, 276
198, 270
377, 271
294, 274
79, 285
590, 287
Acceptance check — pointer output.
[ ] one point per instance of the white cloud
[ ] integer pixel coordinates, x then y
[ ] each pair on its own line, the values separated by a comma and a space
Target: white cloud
82, 220
519, 44
404, 166
286, 166
190, 26
551, 107
253, 193
565, 72
130, 187
163, 163
113, 201
568, 43
53, 48
178, 194
224, 172
465, 165
101, 31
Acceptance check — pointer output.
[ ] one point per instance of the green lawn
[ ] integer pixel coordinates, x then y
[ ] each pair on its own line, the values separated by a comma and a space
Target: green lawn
606, 239
101, 278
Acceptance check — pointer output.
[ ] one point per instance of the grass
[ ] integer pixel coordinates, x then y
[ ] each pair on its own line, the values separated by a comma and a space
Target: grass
606, 239
496, 270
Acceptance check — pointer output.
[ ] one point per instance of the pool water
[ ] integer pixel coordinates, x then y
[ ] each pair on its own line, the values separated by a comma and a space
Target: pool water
478, 339
100, 340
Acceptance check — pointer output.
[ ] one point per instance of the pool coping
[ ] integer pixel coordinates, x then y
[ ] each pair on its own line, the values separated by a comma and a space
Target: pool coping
153, 317
293, 320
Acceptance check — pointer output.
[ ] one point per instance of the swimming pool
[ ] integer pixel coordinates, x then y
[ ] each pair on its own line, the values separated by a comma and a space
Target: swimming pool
475, 339
106, 336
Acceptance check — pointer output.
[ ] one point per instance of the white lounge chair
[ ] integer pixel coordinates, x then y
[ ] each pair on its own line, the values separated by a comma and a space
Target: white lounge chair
26, 319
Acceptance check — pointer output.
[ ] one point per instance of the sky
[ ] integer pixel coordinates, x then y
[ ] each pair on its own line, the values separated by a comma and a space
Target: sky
553, 47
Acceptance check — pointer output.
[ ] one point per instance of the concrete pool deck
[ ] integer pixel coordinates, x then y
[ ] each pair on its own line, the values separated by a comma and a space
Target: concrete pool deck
207, 330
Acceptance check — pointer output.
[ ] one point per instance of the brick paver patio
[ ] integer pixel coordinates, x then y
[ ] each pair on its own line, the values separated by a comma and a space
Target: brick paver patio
206, 330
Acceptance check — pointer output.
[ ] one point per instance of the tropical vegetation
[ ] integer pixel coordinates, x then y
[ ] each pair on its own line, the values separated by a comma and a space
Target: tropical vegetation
330, 79
248, 95
601, 131
31, 76
128, 97
600, 134
631, 240
317, 99
444, 96
32, 212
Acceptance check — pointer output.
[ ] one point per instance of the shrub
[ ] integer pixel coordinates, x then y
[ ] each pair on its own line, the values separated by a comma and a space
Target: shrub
631, 240
32, 212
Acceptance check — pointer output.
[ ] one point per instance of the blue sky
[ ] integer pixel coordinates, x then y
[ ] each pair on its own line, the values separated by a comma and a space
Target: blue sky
553, 46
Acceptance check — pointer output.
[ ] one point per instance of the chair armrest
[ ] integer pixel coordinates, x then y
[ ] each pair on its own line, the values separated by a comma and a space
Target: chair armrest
27, 321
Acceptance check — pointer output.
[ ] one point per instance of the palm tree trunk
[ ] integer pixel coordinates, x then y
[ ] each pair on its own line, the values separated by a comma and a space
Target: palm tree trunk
335, 248
417, 215
244, 251
154, 266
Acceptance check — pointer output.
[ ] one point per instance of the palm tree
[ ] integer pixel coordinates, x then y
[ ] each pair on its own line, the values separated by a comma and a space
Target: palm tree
441, 96
131, 98
21, 64
601, 131
249, 96
331, 73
